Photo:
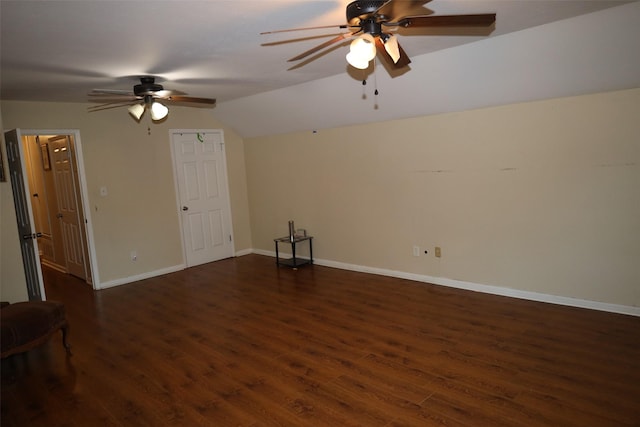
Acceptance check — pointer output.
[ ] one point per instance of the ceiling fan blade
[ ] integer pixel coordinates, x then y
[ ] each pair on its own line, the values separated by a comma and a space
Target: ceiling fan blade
395, 10
111, 98
97, 92
165, 93
322, 46
108, 105
404, 58
480, 20
191, 99
306, 28
297, 40
403, 61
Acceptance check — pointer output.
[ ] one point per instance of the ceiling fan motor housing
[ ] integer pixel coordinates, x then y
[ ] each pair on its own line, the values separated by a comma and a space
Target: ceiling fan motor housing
147, 86
358, 11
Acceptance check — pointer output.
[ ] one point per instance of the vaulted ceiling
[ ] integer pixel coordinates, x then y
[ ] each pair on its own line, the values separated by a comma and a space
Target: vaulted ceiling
61, 50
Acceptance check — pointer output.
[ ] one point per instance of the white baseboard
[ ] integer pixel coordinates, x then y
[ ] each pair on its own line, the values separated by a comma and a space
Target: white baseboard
476, 287
147, 275
244, 252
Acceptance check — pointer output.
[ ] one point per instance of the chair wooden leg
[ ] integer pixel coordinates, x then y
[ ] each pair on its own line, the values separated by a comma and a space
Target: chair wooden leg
65, 333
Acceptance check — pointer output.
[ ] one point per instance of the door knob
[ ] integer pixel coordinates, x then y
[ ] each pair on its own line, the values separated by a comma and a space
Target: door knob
185, 208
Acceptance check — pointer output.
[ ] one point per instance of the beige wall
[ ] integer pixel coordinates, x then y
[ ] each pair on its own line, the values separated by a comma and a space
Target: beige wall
140, 211
541, 197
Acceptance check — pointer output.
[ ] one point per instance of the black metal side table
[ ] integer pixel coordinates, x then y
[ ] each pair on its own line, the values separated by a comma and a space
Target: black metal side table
294, 262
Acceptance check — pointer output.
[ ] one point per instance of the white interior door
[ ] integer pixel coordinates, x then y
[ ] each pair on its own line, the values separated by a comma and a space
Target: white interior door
24, 217
203, 195
68, 212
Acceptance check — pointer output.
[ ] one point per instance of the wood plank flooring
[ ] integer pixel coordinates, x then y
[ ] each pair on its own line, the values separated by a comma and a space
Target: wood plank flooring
241, 342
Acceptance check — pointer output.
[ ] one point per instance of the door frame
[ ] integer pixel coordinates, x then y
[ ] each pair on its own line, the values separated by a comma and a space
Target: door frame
83, 191
177, 187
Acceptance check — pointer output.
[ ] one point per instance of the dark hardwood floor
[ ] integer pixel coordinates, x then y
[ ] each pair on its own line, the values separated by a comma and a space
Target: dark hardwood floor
241, 342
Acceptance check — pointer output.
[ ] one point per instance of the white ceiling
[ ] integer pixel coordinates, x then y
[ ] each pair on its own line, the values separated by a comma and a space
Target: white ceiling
60, 50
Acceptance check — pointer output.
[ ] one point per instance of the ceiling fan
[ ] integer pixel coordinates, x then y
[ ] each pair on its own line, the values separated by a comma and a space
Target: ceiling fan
146, 95
373, 24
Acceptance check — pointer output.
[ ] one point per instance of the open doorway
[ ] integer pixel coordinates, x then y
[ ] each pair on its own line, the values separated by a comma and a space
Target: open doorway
57, 203
52, 200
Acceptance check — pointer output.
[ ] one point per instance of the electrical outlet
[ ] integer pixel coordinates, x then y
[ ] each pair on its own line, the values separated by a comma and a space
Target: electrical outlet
416, 250
134, 256
438, 252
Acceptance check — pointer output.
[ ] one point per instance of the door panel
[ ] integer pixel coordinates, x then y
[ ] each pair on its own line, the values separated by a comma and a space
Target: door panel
203, 196
43, 203
68, 213
24, 217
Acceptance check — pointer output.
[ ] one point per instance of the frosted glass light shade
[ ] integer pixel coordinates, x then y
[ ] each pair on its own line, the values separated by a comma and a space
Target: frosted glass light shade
136, 110
356, 62
158, 111
361, 51
391, 46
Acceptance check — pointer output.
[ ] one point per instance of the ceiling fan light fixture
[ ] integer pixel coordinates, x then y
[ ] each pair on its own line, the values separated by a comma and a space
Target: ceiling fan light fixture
136, 111
391, 46
361, 51
356, 62
158, 111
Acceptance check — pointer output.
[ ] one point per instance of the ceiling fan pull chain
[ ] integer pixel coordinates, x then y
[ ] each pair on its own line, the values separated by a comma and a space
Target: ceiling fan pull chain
375, 83
375, 77
364, 83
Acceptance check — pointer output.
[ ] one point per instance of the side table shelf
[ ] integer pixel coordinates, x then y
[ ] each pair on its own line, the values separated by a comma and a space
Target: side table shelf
294, 262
